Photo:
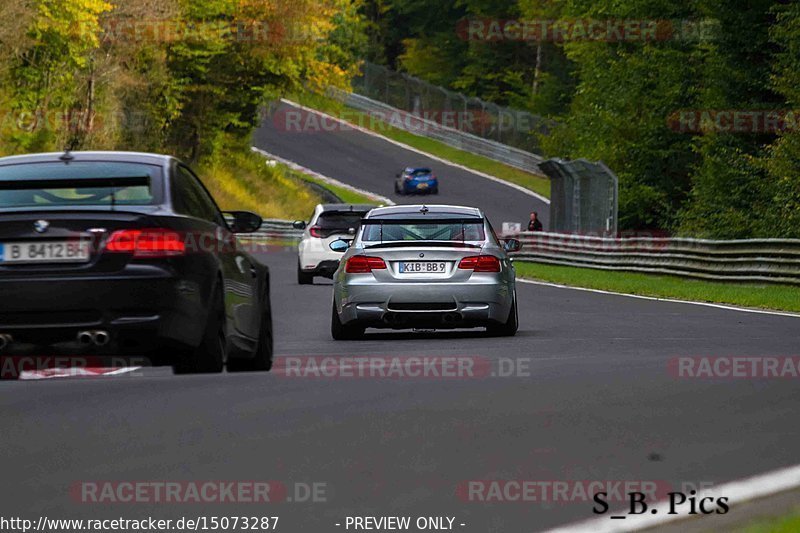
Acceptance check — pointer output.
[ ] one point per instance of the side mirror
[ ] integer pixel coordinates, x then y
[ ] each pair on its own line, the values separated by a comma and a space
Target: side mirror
397, 175
243, 221
351, 231
339, 245
299, 224
512, 245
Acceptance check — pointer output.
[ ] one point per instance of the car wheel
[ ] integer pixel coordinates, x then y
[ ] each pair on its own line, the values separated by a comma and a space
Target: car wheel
209, 357
399, 190
340, 332
303, 278
262, 358
511, 325
435, 191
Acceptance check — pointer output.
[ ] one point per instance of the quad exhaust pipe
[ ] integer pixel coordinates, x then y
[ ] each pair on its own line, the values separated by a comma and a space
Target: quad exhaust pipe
5, 340
395, 318
93, 338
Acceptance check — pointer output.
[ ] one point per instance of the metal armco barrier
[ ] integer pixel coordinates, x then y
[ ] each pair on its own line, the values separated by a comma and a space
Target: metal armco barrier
274, 230
747, 260
752, 260
417, 125
468, 114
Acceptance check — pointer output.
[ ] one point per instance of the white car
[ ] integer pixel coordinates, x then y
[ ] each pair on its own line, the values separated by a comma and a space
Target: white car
329, 222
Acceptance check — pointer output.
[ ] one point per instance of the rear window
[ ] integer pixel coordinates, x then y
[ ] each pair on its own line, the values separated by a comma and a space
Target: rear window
78, 184
337, 220
420, 172
424, 230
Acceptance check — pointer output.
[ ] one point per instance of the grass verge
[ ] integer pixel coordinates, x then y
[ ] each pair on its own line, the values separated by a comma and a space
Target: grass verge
789, 523
240, 179
766, 296
336, 108
347, 196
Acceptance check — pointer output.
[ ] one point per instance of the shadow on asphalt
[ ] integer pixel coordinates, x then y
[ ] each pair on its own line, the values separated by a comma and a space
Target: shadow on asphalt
431, 334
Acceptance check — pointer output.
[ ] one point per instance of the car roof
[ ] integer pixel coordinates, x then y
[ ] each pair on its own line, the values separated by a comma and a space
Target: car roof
416, 210
346, 207
418, 169
54, 157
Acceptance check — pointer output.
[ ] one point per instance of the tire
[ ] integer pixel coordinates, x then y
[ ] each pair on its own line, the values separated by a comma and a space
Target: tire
262, 357
398, 190
209, 357
340, 332
436, 190
511, 325
304, 278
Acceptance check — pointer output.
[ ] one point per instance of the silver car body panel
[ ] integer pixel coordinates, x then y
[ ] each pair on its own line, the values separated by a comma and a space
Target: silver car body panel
389, 298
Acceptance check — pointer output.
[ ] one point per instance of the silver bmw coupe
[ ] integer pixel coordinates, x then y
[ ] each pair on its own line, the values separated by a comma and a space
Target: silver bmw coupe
417, 266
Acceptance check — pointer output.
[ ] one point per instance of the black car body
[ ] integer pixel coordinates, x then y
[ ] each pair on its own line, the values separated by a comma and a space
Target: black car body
128, 253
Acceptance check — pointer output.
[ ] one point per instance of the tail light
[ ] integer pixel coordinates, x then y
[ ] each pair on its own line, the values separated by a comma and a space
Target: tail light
363, 264
480, 263
147, 243
315, 231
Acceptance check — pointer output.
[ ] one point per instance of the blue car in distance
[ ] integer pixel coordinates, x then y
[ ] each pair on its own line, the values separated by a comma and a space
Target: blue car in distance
416, 180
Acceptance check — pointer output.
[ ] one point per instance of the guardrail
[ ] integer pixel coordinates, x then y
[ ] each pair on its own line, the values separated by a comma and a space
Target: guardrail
428, 128
753, 260
748, 260
274, 230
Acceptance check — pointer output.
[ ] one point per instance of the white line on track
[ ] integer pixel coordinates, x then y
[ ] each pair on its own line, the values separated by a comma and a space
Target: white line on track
366, 131
670, 300
52, 373
737, 492
322, 177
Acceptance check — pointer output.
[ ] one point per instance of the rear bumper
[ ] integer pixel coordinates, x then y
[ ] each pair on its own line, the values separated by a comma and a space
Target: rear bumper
140, 311
316, 259
440, 305
420, 188
324, 268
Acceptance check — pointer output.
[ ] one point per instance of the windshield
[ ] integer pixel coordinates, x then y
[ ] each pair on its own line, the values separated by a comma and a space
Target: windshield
77, 184
420, 172
423, 230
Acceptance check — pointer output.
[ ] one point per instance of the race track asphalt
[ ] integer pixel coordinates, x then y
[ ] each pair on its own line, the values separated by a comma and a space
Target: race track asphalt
370, 163
593, 398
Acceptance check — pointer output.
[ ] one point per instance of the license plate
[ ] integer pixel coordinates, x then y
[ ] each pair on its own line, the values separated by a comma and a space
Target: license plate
422, 267
44, 252
422, 185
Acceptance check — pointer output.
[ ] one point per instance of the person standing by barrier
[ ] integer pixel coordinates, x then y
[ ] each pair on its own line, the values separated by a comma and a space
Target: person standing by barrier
535, 224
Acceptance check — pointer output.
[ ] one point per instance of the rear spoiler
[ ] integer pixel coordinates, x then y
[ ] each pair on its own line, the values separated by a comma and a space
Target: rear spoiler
421, 220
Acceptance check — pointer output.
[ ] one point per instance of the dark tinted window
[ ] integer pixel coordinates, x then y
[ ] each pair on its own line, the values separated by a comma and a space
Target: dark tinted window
335, 220
425, 230
79, 183
190, 198
420, 172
